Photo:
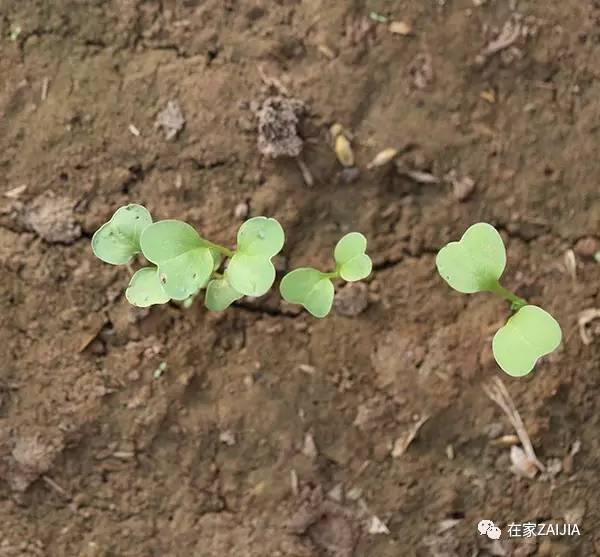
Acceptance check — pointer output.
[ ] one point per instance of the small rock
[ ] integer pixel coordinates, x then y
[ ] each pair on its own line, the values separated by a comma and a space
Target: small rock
376, 526
97, 347
310, 447
336, 493
463, 188
352, 300
354, 494
241, 210
227, 437
587, 247
349, 175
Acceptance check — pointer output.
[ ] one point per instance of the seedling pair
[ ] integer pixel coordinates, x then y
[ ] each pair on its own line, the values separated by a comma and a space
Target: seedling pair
475, 264
183, 262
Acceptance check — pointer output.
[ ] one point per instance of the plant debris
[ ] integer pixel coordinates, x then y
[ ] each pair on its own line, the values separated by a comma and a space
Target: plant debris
400, 28
171, 120
583, 321
383, 157
524, 461
402, 443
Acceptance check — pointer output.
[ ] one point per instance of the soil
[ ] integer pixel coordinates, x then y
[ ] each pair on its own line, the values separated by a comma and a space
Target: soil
269, 432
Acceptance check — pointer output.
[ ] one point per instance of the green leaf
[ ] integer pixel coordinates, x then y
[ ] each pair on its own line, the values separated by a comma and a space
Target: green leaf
184, 262
352, 262
118, 240
220, 294
527, 336
310, 288
250, 270
144, 288
252, 275
476, 262
260, 236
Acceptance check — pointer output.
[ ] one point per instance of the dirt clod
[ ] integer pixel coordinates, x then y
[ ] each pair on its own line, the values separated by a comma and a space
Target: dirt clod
278, 119
51, 217
352, 300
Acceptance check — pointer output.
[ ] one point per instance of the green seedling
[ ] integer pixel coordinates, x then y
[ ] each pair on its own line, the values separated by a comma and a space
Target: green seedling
314, 289
183, 262
475, 264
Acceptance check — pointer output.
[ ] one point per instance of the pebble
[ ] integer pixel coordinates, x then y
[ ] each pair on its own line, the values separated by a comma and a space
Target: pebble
241, 210
587, 247
349, 175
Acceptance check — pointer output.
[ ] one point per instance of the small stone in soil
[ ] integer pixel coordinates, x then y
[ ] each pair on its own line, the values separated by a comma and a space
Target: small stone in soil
348, 175
241, 210
227, 437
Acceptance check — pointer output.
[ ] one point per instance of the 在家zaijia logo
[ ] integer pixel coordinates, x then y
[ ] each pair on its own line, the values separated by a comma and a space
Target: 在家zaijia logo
488, 528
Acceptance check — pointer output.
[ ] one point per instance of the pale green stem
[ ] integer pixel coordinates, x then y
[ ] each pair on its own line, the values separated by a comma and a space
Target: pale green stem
221, 249
516, 302
332, 275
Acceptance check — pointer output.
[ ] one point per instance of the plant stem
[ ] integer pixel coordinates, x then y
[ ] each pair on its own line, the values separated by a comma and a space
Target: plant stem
221, 249
516, 302
332, 275
217, 274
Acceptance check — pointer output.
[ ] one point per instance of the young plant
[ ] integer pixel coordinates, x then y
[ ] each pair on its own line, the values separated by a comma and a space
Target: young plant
314, 289
475, 264
183, 262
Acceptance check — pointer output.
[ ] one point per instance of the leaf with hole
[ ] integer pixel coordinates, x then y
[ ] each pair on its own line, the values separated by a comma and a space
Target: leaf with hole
118, 240
145, 290
309, 288
250, 270
475, 262
184, 261
220, 294
527, 336
352, 262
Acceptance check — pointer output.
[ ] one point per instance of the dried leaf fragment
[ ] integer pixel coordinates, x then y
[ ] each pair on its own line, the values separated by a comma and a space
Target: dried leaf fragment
400, 28
584, 319
171, 120
383, 157
343, 151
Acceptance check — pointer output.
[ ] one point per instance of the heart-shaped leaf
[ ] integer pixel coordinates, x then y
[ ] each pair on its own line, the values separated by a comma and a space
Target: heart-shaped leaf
527, 336
476, 262
145, 289
250, 270
184, 262
260, 236
118, 240
252, 275
352, 262
310, 288
220, 294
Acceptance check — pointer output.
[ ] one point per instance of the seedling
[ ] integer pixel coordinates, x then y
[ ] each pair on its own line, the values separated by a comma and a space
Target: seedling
314, 289
184, 262
475, 264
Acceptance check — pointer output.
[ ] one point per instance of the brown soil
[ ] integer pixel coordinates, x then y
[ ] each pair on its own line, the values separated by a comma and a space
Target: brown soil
270, 432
